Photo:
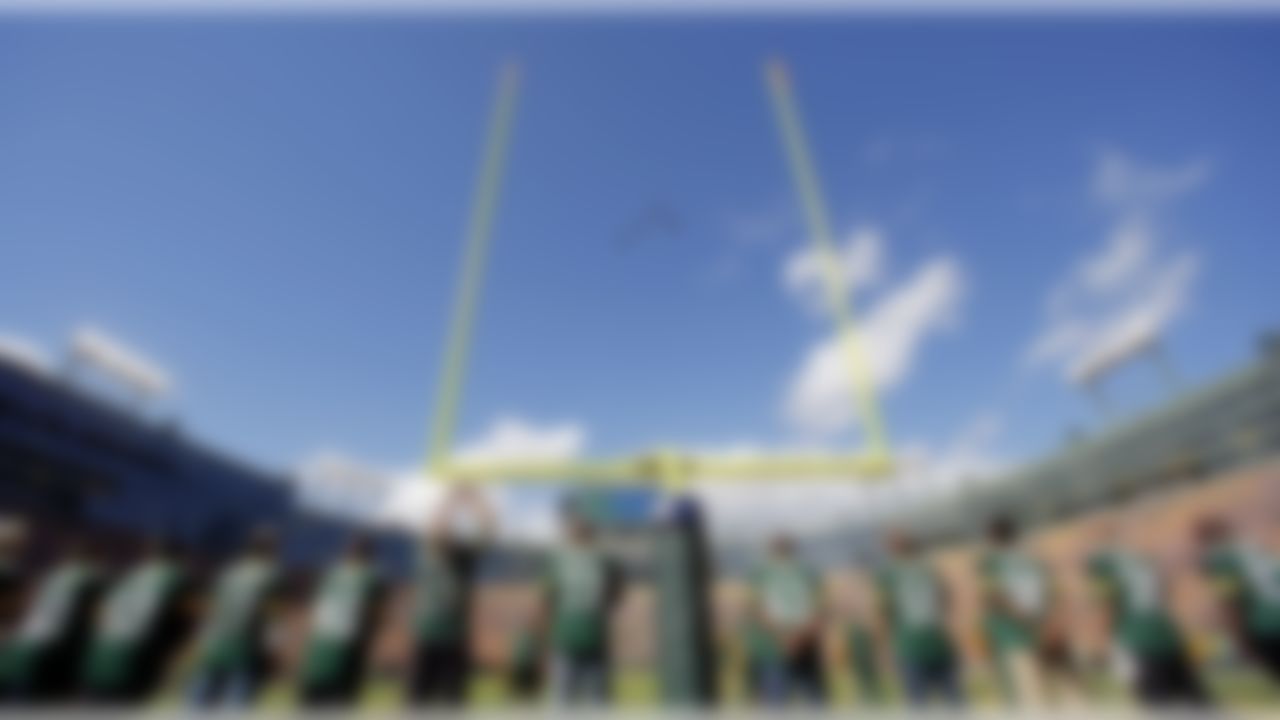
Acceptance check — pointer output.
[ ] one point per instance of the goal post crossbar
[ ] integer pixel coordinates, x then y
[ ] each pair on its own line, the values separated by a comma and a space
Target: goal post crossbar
669, 468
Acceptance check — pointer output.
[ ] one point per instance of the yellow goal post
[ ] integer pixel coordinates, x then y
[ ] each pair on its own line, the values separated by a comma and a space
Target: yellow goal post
669, 467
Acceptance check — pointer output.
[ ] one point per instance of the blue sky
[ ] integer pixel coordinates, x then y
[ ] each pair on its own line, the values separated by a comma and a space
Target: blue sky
273, 208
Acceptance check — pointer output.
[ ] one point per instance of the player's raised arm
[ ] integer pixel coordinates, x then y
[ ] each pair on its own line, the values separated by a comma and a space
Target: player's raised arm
486, 516
464, 506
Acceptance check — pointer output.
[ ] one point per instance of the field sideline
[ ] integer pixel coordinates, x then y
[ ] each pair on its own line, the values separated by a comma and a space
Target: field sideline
635, 689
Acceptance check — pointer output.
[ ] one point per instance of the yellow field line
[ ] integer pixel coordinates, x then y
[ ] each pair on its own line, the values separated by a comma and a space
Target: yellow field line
480, 227
805, 176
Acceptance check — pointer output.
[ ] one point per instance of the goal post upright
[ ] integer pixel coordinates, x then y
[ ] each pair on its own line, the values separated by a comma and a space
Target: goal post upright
475, 259
808, 187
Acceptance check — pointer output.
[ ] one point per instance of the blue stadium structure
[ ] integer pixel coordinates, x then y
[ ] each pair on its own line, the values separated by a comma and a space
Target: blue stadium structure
74, 462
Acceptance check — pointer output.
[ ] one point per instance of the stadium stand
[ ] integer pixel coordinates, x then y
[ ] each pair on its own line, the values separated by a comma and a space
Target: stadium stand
76, 462
1196, 439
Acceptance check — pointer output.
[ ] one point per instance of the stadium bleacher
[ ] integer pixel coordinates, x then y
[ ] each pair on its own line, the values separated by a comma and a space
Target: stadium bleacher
77, 462
1196, 438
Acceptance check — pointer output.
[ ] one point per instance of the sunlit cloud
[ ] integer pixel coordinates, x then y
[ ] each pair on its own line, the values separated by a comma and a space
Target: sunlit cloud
1126, 293
892, 332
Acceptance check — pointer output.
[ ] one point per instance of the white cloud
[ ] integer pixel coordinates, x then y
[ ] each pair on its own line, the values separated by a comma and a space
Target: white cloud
1125, 254
333, 483
1120, 182
25, 354
809, 508
124, 364
748, 513
818, 398
969, 456
513, 437
860, 261
338, 485
751, 233
1135, 324
1124, 295
408, 500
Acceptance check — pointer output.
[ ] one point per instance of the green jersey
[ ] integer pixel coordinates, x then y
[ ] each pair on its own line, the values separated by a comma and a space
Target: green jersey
915, 600
1017, 589
61, 605
339, 619
134, 611
1135, 592
863, 663
1252, 577
442, 593
232, 633
581, 581
787, 595
525, 653
52, 612
758, 642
